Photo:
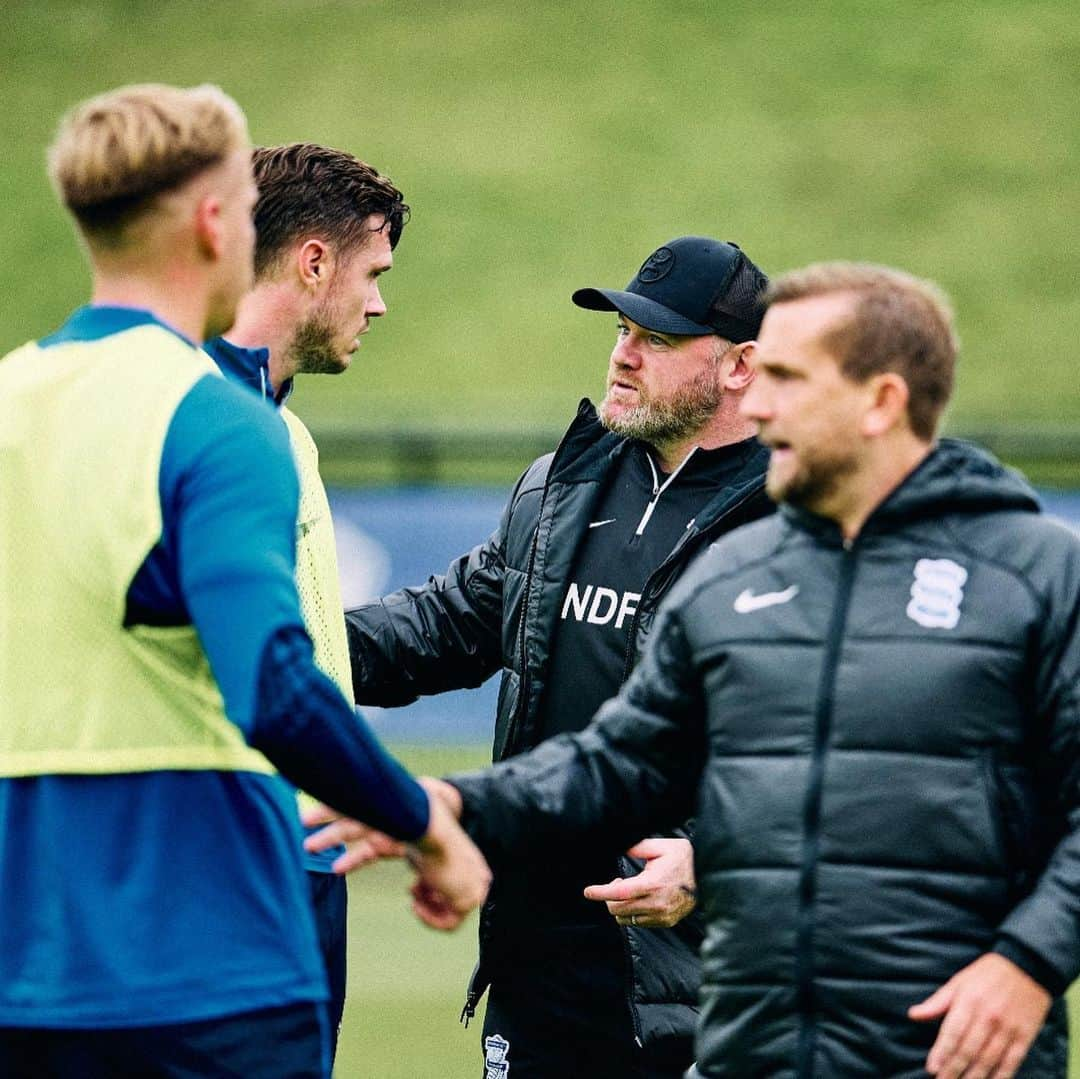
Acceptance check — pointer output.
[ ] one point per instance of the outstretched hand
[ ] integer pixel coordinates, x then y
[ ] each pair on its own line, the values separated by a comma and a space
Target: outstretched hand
661, 895
992, 1011
363, 845
452, 877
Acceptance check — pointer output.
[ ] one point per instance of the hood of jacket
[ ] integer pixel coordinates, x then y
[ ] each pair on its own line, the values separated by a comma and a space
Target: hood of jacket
955, 477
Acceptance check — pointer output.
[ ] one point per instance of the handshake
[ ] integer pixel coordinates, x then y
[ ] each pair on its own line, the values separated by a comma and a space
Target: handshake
452, 877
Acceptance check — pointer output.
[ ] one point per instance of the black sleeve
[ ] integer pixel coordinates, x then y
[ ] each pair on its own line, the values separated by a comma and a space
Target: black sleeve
446, 634
1041, 934
634, 771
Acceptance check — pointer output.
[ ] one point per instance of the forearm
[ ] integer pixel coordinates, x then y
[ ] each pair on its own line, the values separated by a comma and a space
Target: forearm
442, 636
583, 789
400, 650
309, 733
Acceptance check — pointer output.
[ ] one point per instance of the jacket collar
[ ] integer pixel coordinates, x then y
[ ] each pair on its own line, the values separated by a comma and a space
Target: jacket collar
588, 450
248, 366
955, 477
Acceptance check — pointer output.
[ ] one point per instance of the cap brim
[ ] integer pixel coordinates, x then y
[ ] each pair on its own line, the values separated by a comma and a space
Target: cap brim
647, 313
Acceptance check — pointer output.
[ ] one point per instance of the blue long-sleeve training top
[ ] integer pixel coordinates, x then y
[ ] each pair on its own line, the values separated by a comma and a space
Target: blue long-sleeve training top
164, 897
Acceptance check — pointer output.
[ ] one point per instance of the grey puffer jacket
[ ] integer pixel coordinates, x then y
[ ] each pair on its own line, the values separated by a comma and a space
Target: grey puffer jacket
881, 744
495, 610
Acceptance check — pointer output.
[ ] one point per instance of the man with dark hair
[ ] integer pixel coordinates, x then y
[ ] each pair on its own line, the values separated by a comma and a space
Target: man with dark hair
325, 228
591, 961
155, 675
870, 704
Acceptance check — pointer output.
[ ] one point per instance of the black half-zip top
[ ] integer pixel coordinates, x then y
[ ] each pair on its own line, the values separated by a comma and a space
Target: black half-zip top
637, 520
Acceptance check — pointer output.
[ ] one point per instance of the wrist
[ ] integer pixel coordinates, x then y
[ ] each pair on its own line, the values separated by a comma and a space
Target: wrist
1032, 964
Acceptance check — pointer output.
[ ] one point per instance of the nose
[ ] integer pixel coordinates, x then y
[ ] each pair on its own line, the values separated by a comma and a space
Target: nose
626, 353
375, 305
755, 404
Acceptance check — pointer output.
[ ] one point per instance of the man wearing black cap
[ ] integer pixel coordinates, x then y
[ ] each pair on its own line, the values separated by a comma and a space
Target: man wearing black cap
589, 978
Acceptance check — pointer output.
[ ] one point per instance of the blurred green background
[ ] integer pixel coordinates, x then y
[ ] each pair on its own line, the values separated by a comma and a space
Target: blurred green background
552, 145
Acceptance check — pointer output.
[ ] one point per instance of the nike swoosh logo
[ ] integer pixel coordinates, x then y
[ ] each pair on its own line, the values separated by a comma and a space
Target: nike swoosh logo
746, 601
597, 524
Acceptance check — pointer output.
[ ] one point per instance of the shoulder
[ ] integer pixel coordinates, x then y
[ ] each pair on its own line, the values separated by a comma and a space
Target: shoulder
534, 478
221, 427
1043, 551
299, 435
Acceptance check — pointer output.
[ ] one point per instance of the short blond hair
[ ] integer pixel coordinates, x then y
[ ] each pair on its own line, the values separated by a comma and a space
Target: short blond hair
899, 323
114, 153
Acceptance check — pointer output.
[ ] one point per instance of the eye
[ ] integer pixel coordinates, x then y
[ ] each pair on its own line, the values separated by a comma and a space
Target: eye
656, 341
620, 330
777, 372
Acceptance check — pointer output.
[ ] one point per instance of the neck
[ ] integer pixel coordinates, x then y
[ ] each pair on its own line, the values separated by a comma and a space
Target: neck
267, 318
179, 303
860, 493
722, 430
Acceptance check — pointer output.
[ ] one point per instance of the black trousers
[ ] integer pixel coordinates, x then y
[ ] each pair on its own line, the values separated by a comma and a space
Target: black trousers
273, 1043
329, 896
561, 1012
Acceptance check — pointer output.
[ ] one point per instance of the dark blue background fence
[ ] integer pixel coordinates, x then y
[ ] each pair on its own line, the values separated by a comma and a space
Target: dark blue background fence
390, 538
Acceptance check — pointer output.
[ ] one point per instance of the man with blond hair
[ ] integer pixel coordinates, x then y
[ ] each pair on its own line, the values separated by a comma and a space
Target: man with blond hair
154, 668
869, 703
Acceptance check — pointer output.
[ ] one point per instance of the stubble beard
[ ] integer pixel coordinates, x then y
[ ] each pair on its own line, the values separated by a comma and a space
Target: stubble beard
311, 351
656, 422
815, 484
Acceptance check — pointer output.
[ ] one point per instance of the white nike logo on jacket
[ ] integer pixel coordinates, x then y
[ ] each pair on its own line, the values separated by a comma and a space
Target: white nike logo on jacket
746, 601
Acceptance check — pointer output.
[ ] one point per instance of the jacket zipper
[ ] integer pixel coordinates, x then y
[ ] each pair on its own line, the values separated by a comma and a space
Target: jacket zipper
523, 686
634, 1017
823, 716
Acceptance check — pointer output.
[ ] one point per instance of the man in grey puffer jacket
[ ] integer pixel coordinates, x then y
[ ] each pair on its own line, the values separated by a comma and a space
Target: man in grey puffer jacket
871, 702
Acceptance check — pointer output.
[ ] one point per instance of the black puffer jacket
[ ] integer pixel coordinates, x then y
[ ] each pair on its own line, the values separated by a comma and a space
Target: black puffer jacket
881, 744
459, 629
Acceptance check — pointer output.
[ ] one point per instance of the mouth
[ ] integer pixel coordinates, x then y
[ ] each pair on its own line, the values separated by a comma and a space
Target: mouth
619, 386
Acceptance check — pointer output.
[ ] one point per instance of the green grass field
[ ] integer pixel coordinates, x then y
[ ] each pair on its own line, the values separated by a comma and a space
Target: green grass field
549, 146
407, 983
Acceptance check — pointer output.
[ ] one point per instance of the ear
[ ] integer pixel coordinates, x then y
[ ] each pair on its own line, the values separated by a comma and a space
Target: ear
888, 405
314, 263
738, 366
209, 234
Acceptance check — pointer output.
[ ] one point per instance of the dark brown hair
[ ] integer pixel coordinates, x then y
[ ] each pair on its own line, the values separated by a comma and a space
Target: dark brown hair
306, 189
899, 323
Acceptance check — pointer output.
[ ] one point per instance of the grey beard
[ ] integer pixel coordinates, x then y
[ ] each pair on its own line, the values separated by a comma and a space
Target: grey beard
685, 413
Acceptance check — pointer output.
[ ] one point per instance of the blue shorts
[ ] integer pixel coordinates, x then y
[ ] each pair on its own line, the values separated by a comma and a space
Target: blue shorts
273, 1043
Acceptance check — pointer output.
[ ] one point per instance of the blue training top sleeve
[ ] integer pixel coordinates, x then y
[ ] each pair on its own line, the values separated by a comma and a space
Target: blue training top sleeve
229, 501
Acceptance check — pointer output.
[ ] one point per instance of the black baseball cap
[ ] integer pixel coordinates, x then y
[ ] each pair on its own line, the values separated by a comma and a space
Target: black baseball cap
692, 285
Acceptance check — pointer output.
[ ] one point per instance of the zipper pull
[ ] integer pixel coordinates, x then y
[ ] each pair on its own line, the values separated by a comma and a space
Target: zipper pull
469, 1011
